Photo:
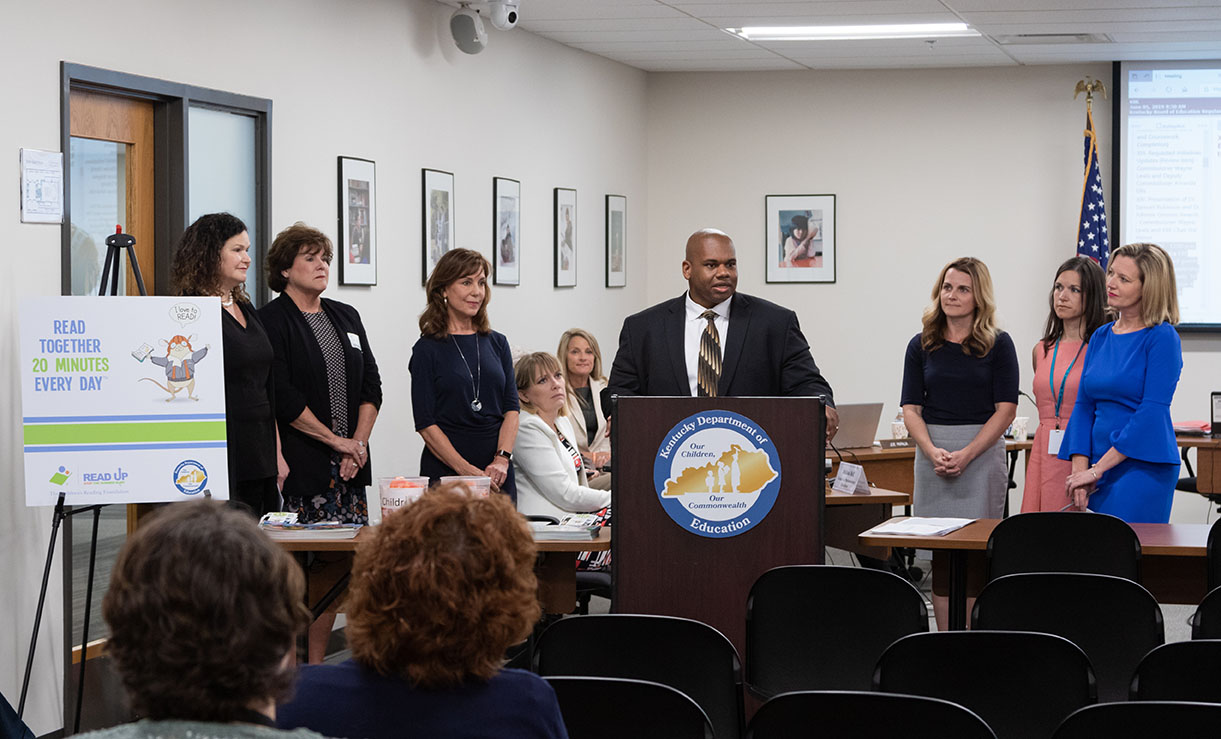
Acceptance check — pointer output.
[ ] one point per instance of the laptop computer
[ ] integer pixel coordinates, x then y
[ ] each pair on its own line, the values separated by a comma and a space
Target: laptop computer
858, 424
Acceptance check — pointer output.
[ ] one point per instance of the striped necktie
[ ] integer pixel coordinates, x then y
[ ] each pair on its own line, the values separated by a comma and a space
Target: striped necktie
708, 372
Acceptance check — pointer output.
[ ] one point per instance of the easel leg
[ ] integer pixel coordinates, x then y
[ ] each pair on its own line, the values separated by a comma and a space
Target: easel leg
93, 555
42, 598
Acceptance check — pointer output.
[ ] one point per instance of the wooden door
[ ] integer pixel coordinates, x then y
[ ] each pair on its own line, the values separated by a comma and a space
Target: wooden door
127, 123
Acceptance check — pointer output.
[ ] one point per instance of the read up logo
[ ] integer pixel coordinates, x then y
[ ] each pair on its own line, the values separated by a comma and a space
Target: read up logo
61, 476
717, 474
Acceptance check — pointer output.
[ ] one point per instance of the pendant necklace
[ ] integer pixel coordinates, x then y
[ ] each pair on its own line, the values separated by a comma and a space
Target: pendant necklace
476, 384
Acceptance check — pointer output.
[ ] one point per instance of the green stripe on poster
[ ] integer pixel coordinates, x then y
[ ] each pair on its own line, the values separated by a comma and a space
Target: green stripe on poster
103, 433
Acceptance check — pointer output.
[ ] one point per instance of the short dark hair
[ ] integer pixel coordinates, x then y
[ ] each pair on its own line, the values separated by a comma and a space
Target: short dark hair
442, 588
196, 268
453, 266
202, 609
801, 222
290, 242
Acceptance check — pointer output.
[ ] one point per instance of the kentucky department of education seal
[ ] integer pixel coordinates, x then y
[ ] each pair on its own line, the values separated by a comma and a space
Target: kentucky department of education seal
717, 474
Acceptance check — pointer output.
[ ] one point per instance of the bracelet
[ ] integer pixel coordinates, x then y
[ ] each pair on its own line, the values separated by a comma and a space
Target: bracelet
359, 443
1094, 473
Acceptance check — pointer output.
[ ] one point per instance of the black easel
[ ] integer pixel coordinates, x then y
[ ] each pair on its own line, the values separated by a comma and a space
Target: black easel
115, 243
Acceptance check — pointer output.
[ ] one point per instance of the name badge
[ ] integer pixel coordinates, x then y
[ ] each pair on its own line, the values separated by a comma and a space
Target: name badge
354, 340
1054, 438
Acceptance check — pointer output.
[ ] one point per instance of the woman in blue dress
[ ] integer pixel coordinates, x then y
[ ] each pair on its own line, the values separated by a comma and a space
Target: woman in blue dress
1120, 439
463, 393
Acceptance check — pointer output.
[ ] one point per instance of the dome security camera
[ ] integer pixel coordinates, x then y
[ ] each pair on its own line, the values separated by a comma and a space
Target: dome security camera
503, 14
466, 27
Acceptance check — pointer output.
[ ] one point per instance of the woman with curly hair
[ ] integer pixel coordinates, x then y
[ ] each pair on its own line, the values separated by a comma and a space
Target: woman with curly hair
204, 611
960, 392
439, 591
212, 259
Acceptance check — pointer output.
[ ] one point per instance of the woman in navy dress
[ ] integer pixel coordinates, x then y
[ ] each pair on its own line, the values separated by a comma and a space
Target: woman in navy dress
1120, 439
463, 393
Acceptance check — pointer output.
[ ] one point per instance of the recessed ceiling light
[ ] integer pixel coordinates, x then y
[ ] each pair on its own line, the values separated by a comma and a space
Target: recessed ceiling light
847, 33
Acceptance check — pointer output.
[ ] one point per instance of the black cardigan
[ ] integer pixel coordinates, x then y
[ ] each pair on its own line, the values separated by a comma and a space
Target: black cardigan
300, 381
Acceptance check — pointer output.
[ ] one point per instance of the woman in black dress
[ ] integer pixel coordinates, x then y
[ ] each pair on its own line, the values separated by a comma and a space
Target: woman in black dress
463, 393
328, 391
212, 260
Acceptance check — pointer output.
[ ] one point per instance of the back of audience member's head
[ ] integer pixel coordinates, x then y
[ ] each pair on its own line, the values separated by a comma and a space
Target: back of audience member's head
442, 588
203, 609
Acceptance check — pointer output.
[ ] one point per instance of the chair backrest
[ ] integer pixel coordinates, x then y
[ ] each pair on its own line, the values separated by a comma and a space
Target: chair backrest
1180, 671
820, 627
1206, 621
1114, 620
1022, 684
612, 708
852, 714
1142, 720
687, 655
1213, 551
1064, 542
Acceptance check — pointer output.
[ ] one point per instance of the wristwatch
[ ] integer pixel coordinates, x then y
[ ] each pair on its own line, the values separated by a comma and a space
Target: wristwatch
505, 453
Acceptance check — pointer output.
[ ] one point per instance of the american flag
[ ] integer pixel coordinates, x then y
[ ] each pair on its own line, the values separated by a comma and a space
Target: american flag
1093, 241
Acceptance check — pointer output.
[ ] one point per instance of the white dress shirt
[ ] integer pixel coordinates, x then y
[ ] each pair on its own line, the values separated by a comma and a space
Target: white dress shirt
694, 329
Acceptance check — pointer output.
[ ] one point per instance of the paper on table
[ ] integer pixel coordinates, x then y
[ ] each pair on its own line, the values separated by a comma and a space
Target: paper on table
917, 526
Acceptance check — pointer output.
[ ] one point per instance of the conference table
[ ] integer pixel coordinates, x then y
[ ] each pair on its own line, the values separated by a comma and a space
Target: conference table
1173, 565
893, 467
1208, 461
328, 564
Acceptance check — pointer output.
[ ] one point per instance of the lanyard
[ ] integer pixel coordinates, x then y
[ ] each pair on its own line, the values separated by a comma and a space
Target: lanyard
1051, 377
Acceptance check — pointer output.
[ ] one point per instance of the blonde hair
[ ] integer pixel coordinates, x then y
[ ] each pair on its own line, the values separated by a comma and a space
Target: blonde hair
526, 371
983, 327
562, 354
1159, 295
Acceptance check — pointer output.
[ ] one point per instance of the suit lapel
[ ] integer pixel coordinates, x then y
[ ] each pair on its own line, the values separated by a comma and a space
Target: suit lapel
676, 341
739, 325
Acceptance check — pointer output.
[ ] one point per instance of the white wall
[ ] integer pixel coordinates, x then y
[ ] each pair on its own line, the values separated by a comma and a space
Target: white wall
377, 79
926, 165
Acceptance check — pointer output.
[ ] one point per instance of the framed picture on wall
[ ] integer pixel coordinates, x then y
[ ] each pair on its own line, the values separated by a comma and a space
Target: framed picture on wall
800, 238
506, 231
616, 241
565, 237
357, 255
438, 207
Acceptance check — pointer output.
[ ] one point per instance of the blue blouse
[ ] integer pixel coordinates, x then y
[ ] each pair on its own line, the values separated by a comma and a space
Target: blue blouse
443, 384
957, 389
1124, 400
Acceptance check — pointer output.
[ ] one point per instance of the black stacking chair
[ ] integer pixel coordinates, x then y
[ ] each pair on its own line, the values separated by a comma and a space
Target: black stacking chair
1115, 621
687, 655
1023, 684
1064, 542
613, 708
850, 714
590, 584
819, 627
1206, 621
1141, 720
1180, 671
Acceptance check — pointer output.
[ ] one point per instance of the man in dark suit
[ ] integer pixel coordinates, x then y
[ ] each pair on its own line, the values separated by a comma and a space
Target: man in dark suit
749, 346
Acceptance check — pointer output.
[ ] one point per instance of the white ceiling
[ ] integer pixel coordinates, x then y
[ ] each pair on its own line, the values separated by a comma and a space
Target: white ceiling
687, 35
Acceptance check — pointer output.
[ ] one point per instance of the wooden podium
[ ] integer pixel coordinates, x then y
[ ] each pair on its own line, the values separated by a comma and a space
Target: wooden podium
662, 566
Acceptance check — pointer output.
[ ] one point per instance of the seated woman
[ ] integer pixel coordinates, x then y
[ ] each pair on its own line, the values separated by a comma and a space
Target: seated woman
581, 360
204, 612
439, 591
552, 479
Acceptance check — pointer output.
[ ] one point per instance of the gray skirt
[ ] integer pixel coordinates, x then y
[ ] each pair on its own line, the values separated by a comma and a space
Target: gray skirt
979, 492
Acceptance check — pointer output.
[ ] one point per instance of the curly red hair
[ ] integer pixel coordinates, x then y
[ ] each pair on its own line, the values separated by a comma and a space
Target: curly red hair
442, 588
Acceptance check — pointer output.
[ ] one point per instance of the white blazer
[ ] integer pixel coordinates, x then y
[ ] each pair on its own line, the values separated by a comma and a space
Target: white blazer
577, 417
547, 481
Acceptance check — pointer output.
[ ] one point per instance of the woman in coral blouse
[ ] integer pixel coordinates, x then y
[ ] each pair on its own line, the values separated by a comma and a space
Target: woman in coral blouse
1078, 308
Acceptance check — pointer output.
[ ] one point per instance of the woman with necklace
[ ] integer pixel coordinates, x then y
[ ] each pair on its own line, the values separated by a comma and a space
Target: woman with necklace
960, 391
1077, 310
213, 257
1120, 439
581, 361
463, 394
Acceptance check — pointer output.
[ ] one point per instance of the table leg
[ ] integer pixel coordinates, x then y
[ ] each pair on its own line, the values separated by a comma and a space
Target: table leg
958, 589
